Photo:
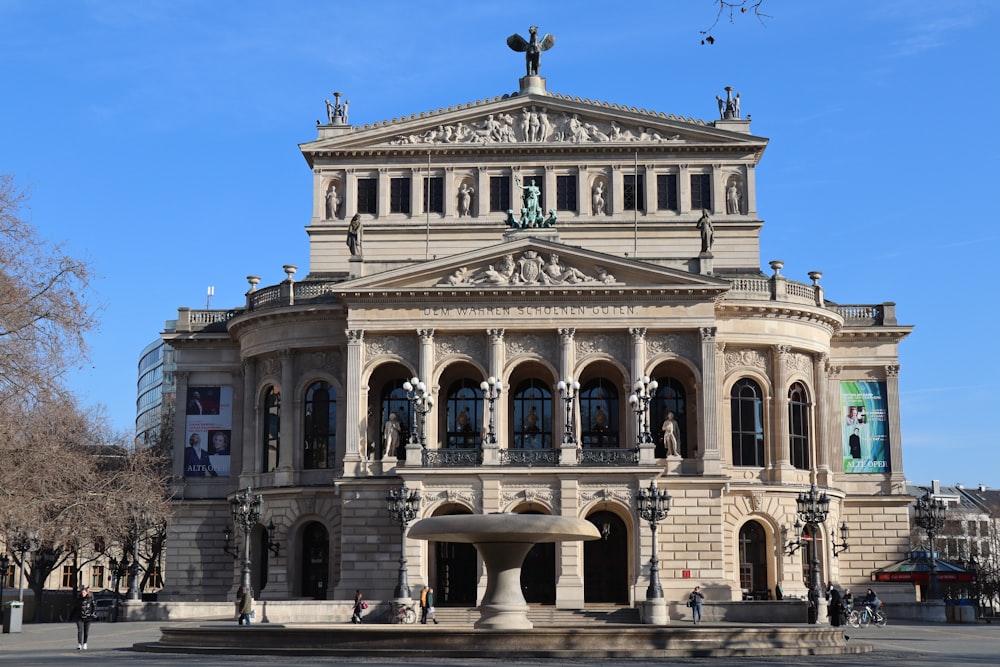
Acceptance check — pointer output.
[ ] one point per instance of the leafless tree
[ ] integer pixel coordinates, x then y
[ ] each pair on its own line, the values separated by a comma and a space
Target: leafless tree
733, 9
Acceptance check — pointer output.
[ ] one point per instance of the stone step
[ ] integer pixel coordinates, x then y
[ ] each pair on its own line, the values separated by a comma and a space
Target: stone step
545, 615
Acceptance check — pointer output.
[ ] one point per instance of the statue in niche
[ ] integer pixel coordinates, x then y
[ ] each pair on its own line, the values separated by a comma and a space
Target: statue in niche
354, 235
598, 198
733, 199
465, 193
532, 48
707, 231
391, 435
671, 430
332, 202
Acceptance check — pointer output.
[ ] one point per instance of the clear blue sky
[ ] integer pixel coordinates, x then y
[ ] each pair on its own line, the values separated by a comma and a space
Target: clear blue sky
159, 139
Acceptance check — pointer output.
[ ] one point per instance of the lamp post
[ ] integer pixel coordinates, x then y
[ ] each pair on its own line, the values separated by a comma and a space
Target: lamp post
492, 388
403, 506
812, 509
246, 508
643, 392
421, 403
929, 513
568, 389
4, 566
653, 505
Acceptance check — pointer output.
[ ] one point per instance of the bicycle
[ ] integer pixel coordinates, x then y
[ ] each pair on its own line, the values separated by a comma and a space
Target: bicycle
399, 613
867, 616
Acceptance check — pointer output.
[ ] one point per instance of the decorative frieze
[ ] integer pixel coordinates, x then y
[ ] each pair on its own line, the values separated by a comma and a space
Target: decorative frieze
681, 345
528, 269
745, 359
473, 347
594, 343
402, 346
530, 343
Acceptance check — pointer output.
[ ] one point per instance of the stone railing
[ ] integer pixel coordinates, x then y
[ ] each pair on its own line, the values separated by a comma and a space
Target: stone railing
608, 456
529, 457
868, 314
436, 458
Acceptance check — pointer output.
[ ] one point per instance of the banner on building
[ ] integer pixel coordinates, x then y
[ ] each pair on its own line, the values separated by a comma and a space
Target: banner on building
208, 429
865, 424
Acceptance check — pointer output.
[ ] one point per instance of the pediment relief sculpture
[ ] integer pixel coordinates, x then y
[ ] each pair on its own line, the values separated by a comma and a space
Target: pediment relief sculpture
535, 124
528, 269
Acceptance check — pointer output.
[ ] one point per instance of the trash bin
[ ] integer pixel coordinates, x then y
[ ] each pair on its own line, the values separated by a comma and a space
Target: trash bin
12, 619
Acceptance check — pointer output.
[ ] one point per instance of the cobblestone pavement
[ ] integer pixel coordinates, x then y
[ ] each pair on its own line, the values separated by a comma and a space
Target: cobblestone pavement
912, 645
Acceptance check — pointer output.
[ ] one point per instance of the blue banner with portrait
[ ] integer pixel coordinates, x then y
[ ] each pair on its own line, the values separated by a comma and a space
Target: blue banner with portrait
864, 422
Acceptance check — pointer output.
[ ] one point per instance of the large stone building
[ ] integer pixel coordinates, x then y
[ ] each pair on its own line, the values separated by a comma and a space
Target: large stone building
531, 238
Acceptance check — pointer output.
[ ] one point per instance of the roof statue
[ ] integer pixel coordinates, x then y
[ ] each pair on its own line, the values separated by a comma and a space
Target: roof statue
532, 214
531, 48
336, 112
729, 108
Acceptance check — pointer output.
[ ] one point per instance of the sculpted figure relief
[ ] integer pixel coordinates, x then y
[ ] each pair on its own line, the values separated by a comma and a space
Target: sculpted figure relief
528, 269
332, 202
733, 199
598, 198
707, 231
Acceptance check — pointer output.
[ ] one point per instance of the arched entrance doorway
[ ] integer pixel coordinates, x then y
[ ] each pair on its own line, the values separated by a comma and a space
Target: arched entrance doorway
455, 572
315, 560
605, 561
258, 559
538, 573
753, 564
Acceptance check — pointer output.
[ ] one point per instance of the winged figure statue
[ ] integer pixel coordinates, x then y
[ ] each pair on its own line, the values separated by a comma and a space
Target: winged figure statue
532, 48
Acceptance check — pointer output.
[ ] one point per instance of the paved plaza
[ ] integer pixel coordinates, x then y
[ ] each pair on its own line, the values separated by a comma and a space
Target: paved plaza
913, 645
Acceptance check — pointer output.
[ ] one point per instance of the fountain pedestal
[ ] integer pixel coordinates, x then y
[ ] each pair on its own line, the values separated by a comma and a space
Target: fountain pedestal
503, 540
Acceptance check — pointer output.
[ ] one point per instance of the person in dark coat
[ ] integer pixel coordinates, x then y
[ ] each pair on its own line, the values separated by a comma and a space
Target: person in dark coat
84, 611
359, 606
836, 610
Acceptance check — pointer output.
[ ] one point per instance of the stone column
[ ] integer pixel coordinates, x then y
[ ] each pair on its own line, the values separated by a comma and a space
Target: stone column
652, 189
383, 192
350, 194
718, 190
781, 460
416, 193
354, 412
897, 477
647, 451
425, 371
491, 454
614, 196
584, 202
751, 189
569, 555
567, 363
283, 473
249, 451
833, 433
709, 417
822, 447
684, 191
450, 195
481, 200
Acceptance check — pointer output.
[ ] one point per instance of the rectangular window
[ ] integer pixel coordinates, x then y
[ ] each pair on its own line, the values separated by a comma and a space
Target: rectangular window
635, 195
666, 192
701, 192
434, 195
156, 577
97, 577
399, 195
565, 193
500, 193
67, 576
368, 195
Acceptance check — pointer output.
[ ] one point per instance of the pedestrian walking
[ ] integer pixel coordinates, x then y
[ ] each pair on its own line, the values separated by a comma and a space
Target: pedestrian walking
359, 606
244, 606
695, 601
836, 609
423, 605
84, 611
431, 610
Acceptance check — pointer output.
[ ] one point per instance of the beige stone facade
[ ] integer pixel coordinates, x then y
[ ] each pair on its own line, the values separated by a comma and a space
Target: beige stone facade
758, 368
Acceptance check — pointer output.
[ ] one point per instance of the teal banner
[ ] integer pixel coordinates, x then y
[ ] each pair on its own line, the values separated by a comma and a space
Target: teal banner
865, 423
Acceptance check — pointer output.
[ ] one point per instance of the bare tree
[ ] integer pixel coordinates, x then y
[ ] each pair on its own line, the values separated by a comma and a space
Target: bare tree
44, 314
732, 9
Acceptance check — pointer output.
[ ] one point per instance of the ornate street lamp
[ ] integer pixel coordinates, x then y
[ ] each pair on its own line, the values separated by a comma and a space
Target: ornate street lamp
421, 403
812, 509
568, 389
403, 506
492, 388
653, 505
246, 508
24, 542
929, 513
842, 546
643, 390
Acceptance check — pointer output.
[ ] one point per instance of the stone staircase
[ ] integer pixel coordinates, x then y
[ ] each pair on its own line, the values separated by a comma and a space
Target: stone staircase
548, 615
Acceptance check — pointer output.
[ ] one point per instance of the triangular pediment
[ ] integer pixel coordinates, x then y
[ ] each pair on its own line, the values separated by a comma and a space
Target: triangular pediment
531, 263
534, 119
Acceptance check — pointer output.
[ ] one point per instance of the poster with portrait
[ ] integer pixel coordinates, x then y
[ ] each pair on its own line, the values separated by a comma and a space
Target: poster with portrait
865, 426
208, 431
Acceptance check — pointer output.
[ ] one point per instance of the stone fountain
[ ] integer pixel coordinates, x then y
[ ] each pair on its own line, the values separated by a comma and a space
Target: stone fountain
503, 540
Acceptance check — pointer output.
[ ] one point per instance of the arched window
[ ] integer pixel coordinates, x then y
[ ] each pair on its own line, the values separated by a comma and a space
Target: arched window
320, 421
599, 414
747, 424
394, 401
465, 415
532, 423
798, 426
670, 397
271, 427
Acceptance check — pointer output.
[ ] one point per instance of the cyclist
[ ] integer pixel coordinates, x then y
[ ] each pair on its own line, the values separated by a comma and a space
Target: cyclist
848, 602
871, 600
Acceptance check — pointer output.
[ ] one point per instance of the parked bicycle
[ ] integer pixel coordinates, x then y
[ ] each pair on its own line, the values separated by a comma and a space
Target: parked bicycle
399, 613
866, 616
